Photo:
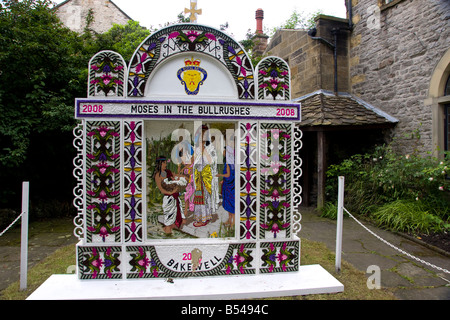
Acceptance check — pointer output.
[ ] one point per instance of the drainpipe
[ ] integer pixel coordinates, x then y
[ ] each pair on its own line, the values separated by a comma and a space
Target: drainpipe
350, 14
312, 33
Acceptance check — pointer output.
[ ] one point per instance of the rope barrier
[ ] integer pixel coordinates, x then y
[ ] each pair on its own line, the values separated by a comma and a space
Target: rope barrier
396, 248
8, 227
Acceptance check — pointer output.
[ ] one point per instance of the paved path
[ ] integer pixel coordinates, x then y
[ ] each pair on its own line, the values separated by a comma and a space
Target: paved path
44, 239
409, 279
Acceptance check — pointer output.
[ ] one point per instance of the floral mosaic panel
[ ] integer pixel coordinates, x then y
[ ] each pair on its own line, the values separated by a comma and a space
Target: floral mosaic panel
275, 180
185, 38
133, 181
273, 79
103, 181
107, 75
248, 180
280, 256
99, 262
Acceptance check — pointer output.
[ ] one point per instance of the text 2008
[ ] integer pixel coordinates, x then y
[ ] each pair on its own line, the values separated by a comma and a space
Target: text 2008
285, 112
87, 108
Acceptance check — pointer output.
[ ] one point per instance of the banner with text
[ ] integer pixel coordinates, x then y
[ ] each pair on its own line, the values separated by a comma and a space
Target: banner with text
95, 108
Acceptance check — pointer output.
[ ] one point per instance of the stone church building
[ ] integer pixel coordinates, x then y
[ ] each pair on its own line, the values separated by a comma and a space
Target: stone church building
380, 75
74, 14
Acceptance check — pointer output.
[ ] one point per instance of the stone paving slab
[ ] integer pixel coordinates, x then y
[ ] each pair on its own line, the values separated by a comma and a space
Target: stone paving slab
409, 279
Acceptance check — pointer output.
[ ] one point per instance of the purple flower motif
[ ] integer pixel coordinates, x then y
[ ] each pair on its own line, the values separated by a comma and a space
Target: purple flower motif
106, 69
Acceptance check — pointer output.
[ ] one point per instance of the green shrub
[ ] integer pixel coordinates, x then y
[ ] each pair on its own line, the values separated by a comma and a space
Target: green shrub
409, 216
383, 183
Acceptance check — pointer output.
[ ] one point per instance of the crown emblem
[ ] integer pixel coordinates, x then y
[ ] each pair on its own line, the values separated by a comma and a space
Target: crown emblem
192, 62
192, 76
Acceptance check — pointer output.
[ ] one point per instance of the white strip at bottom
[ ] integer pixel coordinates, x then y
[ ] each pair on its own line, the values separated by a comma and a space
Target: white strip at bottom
310, 279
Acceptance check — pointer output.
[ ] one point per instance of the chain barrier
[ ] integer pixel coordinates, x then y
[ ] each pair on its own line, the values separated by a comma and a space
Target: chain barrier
8, 227
394, 247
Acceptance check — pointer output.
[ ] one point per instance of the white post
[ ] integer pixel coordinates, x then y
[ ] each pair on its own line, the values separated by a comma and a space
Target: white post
340, 215
24, 239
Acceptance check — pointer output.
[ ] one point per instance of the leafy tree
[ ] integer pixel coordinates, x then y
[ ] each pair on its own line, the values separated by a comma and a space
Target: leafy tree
298, 20
123, 39
39, 75
41, 71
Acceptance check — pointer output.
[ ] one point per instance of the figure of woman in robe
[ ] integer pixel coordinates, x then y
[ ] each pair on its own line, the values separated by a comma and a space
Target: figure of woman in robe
202, 181
172, 206
228, 186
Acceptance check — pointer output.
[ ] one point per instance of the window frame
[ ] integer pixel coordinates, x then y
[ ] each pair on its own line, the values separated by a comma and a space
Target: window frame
383, 5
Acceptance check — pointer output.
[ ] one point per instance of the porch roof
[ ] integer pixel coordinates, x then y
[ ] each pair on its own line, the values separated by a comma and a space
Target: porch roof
324, 108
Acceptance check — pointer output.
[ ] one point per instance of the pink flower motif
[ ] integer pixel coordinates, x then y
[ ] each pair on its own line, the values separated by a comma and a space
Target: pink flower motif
228, 270
103, 232
238, 259
102, 195
192, 35
275, 133
210, 36
103, 131
274, 83
282, 257
174, 35
262, 72
275, 228
106, 79
97, 263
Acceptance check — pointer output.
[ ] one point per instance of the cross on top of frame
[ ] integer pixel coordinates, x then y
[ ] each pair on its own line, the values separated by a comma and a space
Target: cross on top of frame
193, 11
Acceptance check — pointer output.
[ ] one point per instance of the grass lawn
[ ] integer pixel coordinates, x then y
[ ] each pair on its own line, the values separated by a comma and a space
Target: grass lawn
354, 281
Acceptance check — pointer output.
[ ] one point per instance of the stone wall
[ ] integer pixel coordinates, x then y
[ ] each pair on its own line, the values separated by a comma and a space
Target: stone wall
393, 52
311, 61
73, 14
